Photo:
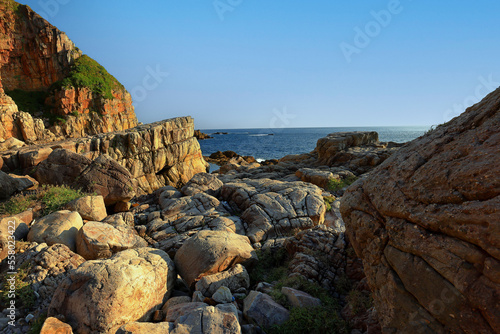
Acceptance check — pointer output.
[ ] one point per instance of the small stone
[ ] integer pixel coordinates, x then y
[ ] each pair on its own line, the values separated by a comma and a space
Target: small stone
198, 297
223, 295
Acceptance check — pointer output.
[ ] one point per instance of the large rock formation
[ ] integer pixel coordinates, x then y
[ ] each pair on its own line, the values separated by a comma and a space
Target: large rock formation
426, 224
157, 154
38, 64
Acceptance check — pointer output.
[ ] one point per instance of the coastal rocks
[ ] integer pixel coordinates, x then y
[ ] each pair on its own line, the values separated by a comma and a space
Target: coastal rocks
431, 248
261, 309
100, 240
146, 328
234, 278
298, 298
210, 252
318, 255
55, 326
12, 185
201, 136
273, 209
322, 177
104, 294
60, 227
89, 207
157, 154
203, 182
103, 176
208, 319
49, 267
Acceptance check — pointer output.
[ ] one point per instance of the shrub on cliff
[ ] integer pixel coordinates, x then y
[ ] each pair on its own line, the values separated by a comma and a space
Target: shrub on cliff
87, 73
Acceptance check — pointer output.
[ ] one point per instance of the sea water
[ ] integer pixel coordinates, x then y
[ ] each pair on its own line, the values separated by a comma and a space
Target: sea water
264, 144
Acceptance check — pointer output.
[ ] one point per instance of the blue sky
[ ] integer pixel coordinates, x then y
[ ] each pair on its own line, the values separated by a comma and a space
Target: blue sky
323, 63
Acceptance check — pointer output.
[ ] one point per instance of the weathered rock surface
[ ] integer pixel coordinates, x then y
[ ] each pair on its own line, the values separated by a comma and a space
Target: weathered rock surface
103, 176
274, 209
261, 309
11, 228
431, 250
210, 252
146, 328
11, 185
179, 310
59, 227
157, 154
100, 240
208, 320
298, 298
104, 294
55, 326
318, 255
233, 278
89, 207
203, 182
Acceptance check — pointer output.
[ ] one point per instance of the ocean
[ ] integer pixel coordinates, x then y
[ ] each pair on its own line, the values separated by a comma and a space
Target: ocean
265, 144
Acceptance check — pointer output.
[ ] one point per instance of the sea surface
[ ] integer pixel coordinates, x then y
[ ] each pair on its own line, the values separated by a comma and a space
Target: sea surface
264, 144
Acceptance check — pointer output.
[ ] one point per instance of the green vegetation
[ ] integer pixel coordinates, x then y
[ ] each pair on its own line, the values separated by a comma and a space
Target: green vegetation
359, 301
36, 326
30, 102
272, 266
52, 198
322, 319
336, 185
12, 5
328, 202
86, 72
24, 292
343, 285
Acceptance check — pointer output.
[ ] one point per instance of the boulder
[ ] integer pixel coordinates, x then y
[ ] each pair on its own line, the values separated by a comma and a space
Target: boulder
274, 209
175, 301
61, 167
11, 185
426, 224
11, 228
146, 328
176, 311
199, 204
59, 227
261, 309
102, 295
234, 278
89, 207
26, 181
11, 143
55, 326
210, 252
298, 298
208, 320
119, 219
222, 295
100, 240
107, 178
203, 183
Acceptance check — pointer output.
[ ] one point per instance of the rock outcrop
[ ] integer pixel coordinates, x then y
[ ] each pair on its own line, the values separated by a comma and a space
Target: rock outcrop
157, 154
37, 62
102, 295
426, 224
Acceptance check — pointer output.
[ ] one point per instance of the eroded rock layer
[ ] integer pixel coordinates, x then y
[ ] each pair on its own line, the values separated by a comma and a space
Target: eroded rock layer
157, 154
426, 224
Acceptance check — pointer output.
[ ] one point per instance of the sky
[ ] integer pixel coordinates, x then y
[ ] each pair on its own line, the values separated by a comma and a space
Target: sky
273, 64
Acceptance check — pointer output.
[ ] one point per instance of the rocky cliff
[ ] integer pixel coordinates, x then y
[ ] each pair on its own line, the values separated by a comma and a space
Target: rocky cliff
157, 154
426, 224
47, 76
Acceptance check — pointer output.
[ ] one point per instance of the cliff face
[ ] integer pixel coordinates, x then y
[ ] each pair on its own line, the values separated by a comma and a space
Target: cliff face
38, 64
426, 224
157, 154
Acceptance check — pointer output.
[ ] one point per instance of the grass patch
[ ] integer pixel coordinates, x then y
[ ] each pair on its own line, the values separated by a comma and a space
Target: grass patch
24, 294
328, 202
52, 198
321, 319
272, 266
31, 102
336, 185
87, 73
36, 326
